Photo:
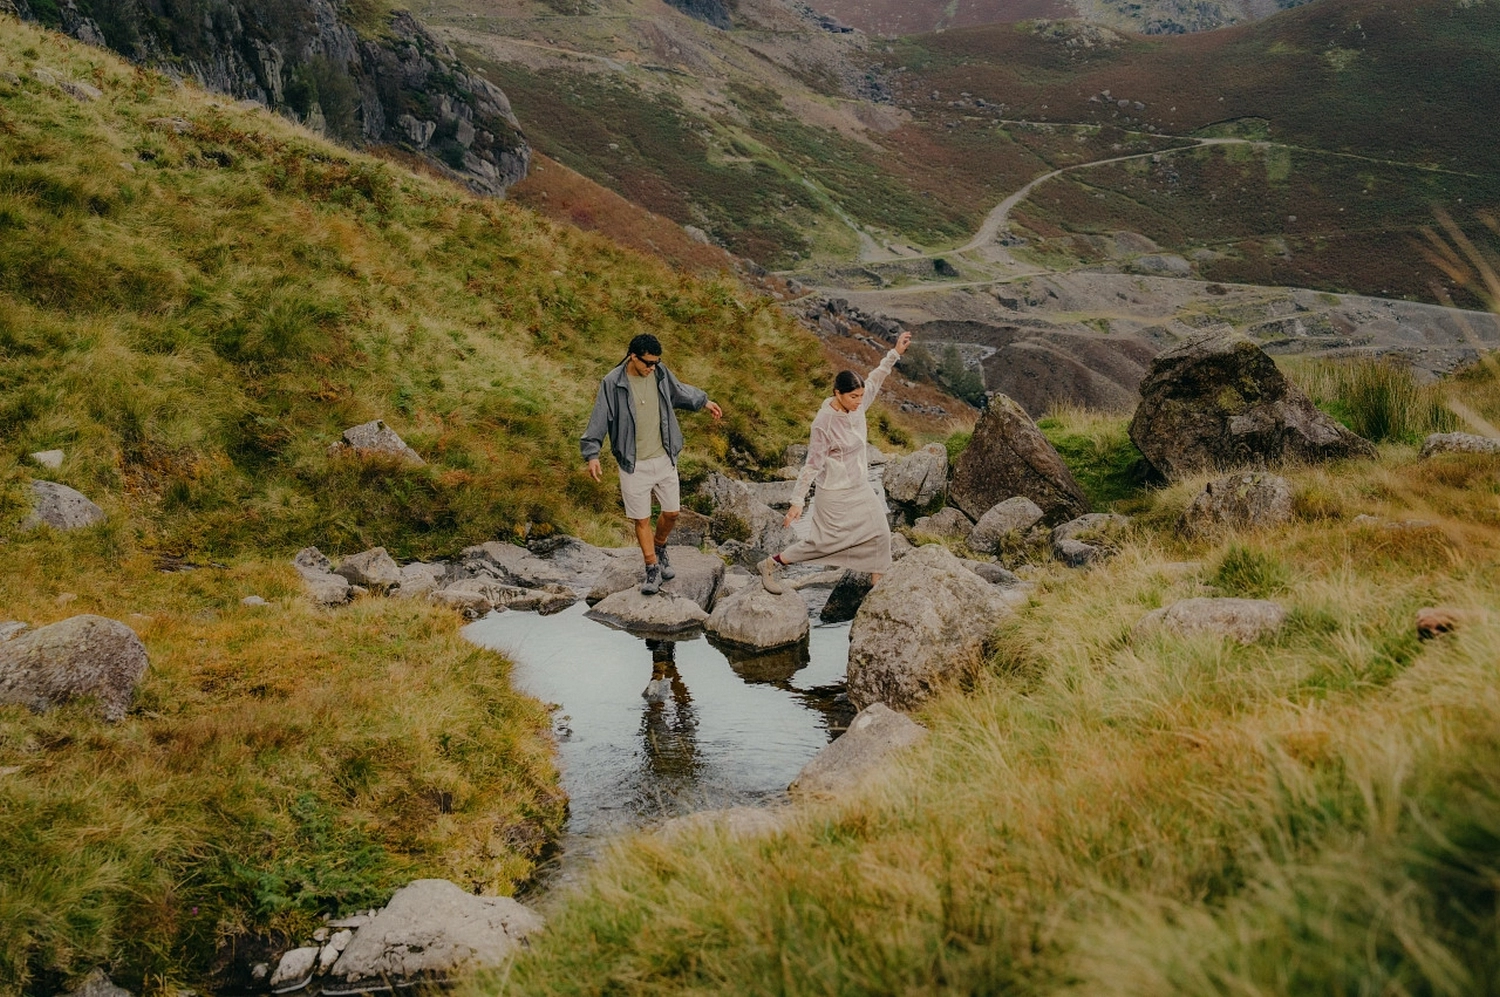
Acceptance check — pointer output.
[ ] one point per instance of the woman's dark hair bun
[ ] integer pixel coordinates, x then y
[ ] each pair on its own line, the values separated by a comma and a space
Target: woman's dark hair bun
847, 381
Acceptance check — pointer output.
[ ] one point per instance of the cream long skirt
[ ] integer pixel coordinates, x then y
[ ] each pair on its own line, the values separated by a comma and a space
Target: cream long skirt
849, 530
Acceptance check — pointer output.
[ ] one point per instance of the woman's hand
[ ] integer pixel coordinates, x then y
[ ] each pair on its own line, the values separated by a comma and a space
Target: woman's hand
902, 342
792, 515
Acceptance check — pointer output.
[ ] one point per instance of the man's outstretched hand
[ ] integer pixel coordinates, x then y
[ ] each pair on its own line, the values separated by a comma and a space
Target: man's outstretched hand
714, 410
594, 470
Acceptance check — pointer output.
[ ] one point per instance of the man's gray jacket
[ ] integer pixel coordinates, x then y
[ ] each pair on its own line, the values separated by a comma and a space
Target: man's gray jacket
614, 415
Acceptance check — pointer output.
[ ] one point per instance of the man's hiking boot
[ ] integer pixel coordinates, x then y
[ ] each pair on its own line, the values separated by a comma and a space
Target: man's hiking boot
768, 570
652, 584
667, 574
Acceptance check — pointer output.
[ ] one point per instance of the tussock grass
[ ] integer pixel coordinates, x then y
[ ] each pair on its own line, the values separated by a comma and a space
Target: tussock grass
1097, 448
1378, 399
1107, 812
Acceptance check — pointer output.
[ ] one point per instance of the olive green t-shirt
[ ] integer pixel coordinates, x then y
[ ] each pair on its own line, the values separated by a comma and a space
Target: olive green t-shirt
647, 417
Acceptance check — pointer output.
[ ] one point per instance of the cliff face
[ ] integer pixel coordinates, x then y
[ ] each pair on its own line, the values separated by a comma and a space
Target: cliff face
379, 78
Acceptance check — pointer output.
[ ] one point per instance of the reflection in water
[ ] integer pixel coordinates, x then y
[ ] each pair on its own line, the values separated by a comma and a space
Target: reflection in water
715, 727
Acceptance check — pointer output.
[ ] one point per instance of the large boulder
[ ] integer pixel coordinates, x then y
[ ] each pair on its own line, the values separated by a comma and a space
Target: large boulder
924, 624
847, 596
946, 522
663, 613
753, 617
1248, 500
877, 733
83, 657
60, 507
918, 479
1242, 620
1218, 402
420, 579
374, 569
748, 520
1015, 514
697, 575
1009, 456
431, 930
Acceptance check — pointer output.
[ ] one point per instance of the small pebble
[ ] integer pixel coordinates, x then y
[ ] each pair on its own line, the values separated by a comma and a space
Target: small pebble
253, 600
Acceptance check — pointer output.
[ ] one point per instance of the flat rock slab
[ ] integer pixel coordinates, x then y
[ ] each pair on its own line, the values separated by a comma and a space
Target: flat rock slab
563, 561
1438, 443
1243, 620
753, 617
77, 658
874, 735
697, 575
431, 929
663, 613
60, 507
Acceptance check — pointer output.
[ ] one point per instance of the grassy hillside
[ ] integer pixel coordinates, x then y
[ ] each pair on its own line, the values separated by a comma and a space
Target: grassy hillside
1106, 812
195, 301
196, 311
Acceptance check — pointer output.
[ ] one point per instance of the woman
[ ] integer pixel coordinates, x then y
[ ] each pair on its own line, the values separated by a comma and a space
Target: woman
849, 528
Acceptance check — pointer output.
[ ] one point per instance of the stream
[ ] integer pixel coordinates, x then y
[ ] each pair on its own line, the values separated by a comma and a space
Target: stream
651, 728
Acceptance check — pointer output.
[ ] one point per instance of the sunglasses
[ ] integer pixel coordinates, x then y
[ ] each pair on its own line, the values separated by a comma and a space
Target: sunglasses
648, 364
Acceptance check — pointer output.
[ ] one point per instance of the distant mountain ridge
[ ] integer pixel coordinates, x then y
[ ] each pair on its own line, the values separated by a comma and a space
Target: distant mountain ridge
362, 75
1153, 17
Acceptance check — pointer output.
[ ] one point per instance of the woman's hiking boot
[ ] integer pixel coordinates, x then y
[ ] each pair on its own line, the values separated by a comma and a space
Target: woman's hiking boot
652, 584
768, 576
667, 574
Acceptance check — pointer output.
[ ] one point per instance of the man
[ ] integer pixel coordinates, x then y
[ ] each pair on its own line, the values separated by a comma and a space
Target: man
636, 407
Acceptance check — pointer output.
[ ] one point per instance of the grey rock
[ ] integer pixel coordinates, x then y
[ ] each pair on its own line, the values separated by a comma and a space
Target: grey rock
752, 522
177, 126
697, 578
60, 507
565, 561
846, 598
753, 617
924, 624
663, 613
253, 601
374, 569
917, 479
1437, 443
775, 494
431, 929
1161, 265
1218, 402
375, 437
1248, 500
420, 579
1243, 620
1095, 525
77, 658
875, 734
10, 628
946, 522
1017, 513
691, 530
325, 588
721, 490
900, 546
474, 597
1009, 456
97, 984
992, 573
49, 458
333, 948
312, 559
294, 970
548, 599
1077, 554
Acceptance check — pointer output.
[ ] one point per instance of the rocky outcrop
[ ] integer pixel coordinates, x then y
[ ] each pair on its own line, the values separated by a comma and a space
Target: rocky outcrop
1437, 443
1242, 620
916, 480
662, 613
385, 83
1009, 456
697, 575
753, 617
1248, 500
374, 569
60, 507
877, 733
1218, 402
924, 624
1014, 515
84, 657
325, 587
431, 929
558, 560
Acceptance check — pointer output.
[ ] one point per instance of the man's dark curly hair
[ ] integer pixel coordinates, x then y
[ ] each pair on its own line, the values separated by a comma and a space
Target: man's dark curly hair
645, 343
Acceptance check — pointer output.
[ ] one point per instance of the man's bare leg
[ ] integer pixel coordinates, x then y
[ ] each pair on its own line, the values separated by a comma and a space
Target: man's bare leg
646, 537
664, 523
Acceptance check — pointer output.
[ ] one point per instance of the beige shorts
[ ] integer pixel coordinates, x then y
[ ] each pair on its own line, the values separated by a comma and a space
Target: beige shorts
655, 477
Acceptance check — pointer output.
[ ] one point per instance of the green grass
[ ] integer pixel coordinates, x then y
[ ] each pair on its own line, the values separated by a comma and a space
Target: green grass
1378, 399
1098, 451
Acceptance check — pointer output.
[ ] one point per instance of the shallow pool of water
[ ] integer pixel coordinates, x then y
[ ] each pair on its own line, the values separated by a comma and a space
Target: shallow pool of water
722, 727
